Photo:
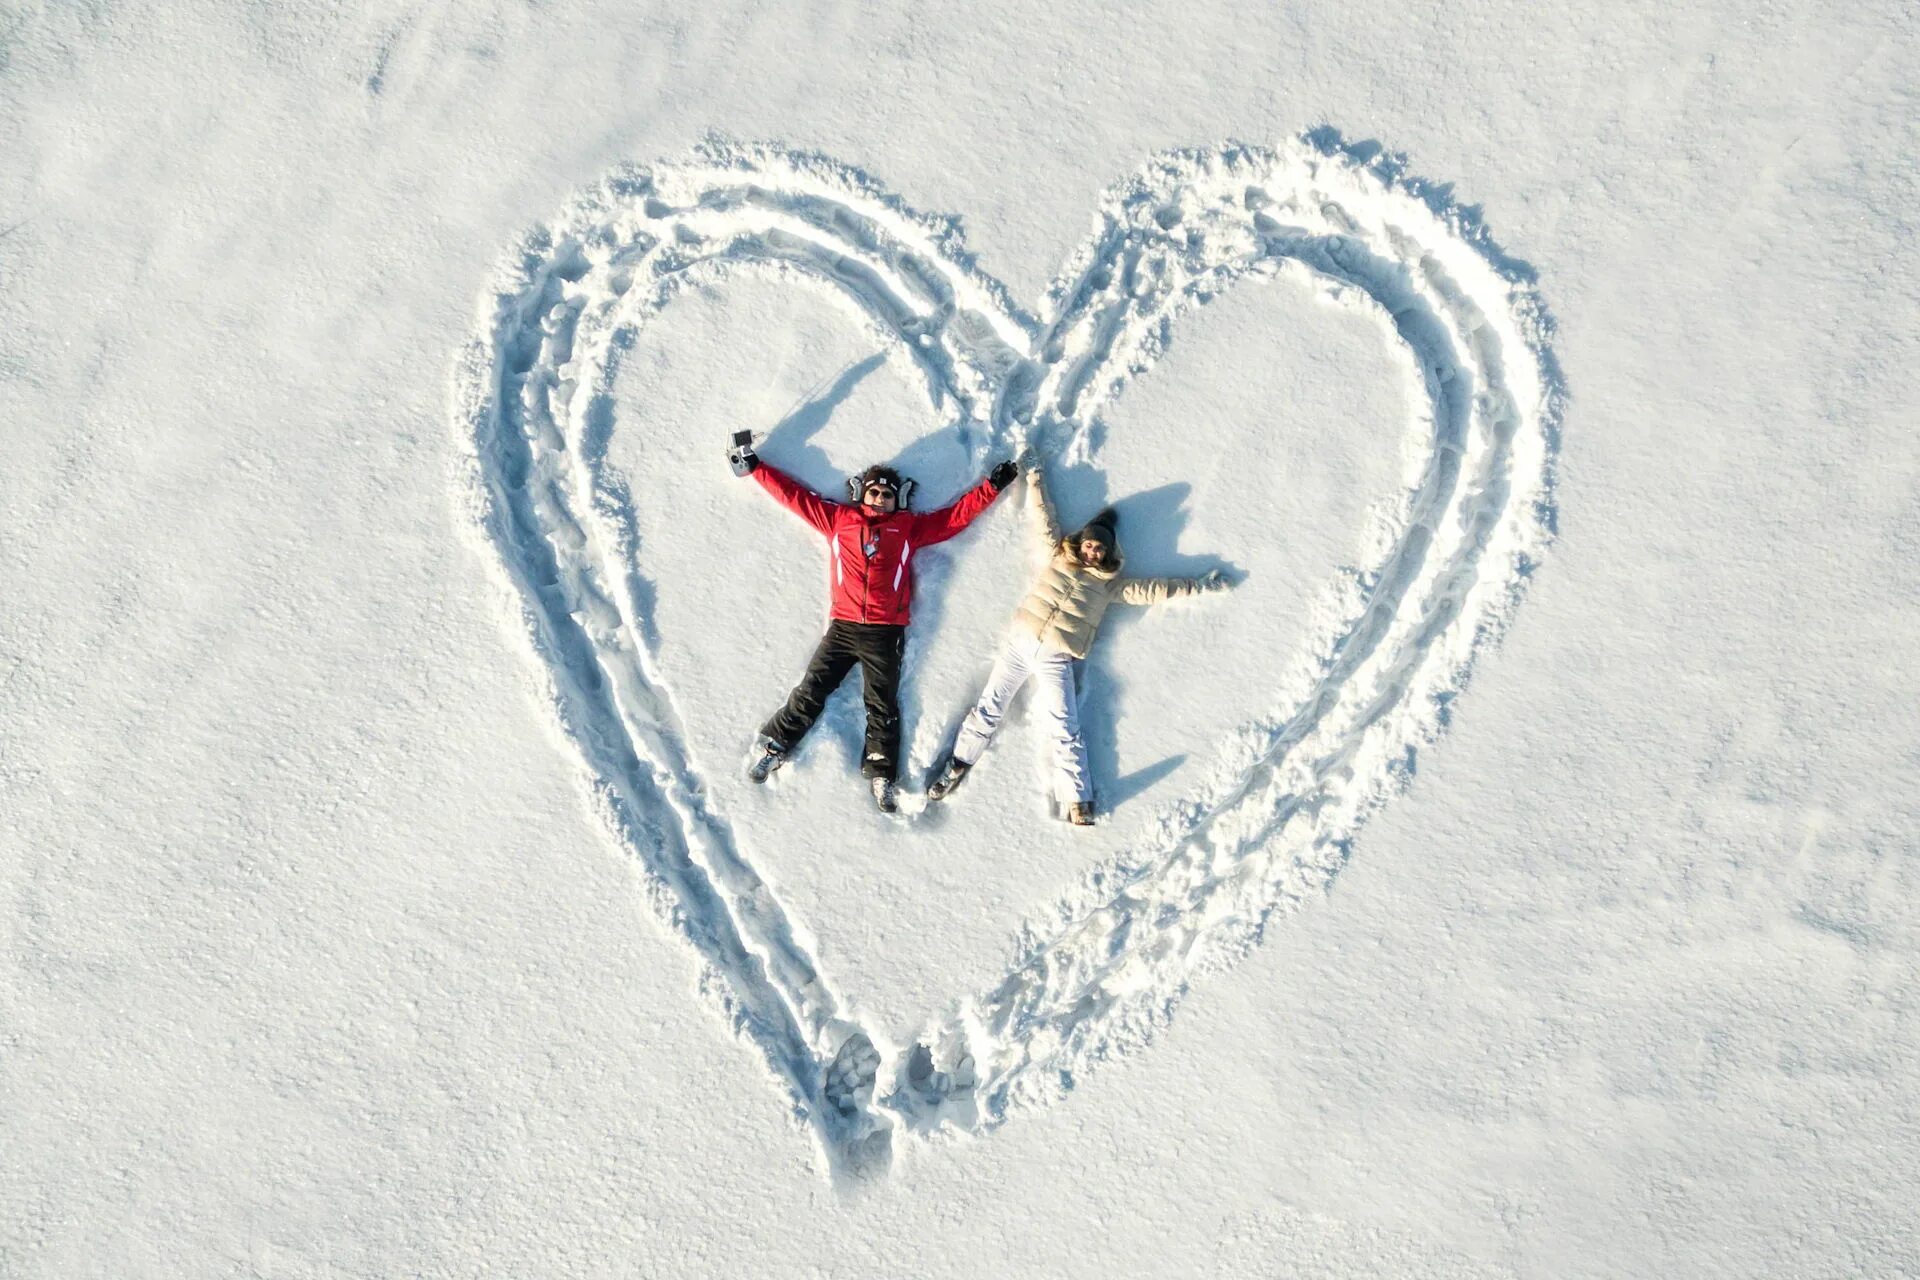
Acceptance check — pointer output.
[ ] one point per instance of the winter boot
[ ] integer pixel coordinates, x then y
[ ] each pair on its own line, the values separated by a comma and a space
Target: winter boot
767, 757
1080, 813
884, 795
948, 778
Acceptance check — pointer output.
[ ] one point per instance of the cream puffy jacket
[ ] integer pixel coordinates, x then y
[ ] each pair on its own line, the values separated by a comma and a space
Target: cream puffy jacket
1064, 606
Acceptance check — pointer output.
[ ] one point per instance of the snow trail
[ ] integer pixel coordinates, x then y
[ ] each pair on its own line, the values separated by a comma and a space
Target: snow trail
1277, 830
534, 404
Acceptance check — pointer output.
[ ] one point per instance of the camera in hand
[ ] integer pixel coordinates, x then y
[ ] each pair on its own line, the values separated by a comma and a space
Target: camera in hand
741, 456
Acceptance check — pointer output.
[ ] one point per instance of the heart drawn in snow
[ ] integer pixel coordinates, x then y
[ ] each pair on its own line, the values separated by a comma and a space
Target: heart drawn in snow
1188, 226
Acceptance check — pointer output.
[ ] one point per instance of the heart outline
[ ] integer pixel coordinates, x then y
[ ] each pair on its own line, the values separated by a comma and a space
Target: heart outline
532, 403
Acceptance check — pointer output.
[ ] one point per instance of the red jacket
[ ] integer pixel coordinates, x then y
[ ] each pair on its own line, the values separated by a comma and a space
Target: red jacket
873, 557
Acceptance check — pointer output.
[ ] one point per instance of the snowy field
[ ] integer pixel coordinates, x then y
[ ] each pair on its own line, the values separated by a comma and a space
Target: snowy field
1514, 875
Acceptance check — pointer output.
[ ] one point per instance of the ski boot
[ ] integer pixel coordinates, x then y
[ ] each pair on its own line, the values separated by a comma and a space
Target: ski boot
885, 795
1080, 813
948, 778
767, 757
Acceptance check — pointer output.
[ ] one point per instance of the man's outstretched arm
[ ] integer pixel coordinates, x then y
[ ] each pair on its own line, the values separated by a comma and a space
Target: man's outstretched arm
938, 526
796, 497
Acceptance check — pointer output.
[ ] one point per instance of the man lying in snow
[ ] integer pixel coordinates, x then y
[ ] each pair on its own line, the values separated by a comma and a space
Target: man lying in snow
873, 539
1052, 631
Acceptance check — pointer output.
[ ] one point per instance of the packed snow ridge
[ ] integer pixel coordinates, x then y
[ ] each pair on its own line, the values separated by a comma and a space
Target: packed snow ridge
1105, 965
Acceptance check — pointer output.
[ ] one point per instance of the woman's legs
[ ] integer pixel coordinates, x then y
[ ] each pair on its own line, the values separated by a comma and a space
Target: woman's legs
1058, 707
1010, 671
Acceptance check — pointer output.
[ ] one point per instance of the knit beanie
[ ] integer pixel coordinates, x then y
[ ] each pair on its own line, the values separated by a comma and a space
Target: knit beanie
1102, 528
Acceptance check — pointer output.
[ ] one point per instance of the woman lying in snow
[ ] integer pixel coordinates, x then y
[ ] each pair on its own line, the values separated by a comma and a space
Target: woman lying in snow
1052, 631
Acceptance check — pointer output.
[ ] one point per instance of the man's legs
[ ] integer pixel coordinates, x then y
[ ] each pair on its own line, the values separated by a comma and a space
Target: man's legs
881, 649
1056, 703
1010, 671
832, 658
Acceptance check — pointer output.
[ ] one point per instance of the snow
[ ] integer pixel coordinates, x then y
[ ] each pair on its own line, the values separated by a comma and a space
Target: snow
335, 949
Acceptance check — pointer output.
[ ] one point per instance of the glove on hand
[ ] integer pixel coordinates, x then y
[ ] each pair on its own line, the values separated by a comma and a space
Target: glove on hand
741, 456
1002, 476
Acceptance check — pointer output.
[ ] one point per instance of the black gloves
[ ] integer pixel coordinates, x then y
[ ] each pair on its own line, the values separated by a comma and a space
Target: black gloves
1002, 476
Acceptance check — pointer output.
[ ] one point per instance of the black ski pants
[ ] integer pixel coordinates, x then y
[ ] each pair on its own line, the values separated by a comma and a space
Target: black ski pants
878, 647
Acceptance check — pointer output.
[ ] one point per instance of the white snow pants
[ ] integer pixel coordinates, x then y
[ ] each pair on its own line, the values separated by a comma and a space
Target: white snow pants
1022, 658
